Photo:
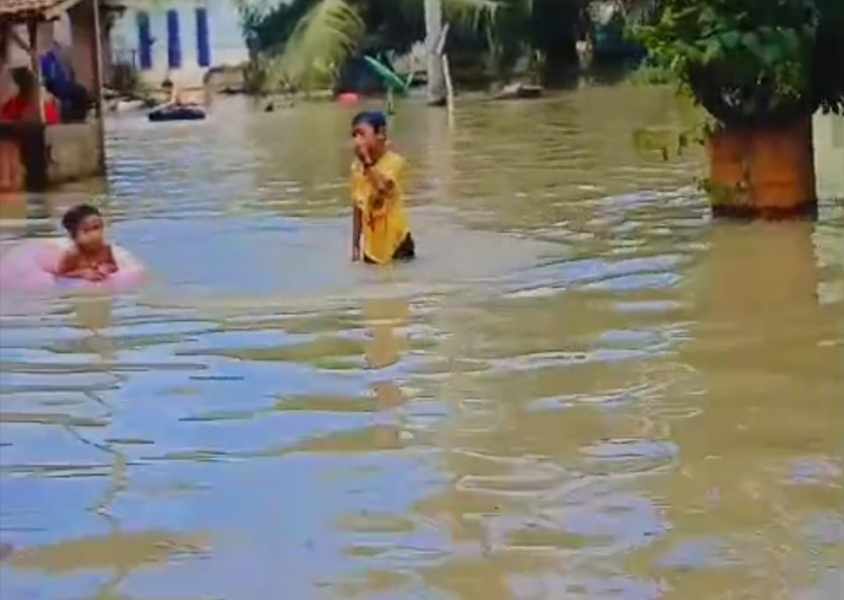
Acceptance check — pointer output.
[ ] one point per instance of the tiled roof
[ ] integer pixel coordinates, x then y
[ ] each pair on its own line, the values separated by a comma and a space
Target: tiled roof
21, 8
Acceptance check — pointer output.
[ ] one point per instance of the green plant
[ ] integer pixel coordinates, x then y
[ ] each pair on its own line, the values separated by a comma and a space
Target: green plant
306, 43
669, 142
649, 74
309, 40
752, 61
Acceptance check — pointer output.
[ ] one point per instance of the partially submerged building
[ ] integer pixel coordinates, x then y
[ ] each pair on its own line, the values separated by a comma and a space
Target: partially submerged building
179, 40
33, 154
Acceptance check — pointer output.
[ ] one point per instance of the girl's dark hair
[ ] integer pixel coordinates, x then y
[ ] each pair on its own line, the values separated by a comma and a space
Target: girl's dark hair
374, 119
74, 217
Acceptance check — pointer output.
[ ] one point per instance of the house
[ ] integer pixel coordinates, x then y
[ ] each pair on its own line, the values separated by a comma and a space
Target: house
33, 154
71, 25
180, 40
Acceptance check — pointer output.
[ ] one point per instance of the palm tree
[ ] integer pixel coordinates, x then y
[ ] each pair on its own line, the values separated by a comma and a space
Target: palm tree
328, 32
310, 40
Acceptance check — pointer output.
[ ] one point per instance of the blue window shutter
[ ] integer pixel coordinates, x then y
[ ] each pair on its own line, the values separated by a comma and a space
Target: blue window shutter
144, 41
174, 43
203, 44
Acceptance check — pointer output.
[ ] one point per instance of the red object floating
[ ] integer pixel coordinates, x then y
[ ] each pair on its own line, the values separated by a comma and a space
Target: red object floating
348, 98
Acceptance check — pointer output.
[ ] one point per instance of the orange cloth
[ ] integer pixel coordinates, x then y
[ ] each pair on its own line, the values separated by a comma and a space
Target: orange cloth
16, 109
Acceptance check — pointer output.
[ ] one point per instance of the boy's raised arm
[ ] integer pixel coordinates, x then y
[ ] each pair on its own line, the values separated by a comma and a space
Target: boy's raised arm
384, 177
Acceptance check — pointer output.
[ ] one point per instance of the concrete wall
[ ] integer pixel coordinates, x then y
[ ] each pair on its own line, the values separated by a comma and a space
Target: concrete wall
829, 155
81, 44
74, 152
225, 39
16, 57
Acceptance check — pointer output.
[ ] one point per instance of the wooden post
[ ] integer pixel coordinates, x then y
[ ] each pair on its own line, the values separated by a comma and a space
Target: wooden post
98, 80
433, 29
35, 64
4, 42
446, 73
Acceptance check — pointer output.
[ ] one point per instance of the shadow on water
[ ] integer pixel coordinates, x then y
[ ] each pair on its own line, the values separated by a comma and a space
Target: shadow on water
582, 389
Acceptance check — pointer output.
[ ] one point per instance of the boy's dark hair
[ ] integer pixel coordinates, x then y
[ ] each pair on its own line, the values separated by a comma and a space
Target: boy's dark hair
374, 119
74, 217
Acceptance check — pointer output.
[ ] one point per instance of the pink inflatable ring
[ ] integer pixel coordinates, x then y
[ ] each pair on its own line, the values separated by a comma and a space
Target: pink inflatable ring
31, 266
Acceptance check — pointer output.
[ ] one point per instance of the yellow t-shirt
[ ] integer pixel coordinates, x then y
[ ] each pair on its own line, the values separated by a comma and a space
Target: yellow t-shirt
385, 227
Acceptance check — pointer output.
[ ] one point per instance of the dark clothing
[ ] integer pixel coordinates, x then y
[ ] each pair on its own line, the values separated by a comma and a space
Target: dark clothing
55, 74
405, 251
59, 81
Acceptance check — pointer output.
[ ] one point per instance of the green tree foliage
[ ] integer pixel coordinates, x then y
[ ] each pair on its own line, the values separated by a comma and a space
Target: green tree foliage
316, 36
308, 41
752, 61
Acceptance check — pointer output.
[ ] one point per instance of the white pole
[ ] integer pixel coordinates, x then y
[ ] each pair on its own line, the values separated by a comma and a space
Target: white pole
433, 32
449, 90
97, 51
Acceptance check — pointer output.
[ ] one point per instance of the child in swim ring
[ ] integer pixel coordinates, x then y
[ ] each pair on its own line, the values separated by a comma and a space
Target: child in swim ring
379, 220
91, 258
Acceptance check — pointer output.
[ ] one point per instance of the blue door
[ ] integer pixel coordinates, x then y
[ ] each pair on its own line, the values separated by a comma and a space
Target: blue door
203, 44
174, 42
144, 41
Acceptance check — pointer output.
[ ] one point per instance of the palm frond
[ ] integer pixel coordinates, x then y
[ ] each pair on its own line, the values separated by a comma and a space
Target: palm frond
321, 42
332, 31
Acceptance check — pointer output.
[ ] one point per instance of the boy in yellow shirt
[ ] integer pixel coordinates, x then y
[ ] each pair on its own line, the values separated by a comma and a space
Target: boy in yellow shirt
379, 220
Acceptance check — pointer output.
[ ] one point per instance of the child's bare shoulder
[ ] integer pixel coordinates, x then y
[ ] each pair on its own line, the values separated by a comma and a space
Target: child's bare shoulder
71, 254
69, 260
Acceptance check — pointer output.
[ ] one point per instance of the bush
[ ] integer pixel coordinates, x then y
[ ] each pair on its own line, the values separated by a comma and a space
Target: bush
752, 62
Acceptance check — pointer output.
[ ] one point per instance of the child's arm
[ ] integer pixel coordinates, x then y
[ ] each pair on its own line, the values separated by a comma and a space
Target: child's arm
382, 177
357, 219
69, 267
383, 182
109, 265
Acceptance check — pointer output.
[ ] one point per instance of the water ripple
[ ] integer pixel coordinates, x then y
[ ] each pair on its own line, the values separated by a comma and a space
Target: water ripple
582, 389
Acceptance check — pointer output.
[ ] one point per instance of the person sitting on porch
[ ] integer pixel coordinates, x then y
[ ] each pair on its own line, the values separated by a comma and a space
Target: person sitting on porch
60, 82
23, 106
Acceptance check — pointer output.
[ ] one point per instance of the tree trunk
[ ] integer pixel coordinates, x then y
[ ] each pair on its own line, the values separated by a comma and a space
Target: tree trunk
433, 30
761, 172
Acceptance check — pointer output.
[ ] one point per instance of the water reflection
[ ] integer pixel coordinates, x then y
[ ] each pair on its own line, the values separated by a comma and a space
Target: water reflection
582, 388
757, 348
382, 317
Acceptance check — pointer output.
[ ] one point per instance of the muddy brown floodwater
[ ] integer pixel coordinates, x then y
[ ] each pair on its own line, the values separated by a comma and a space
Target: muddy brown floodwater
583, 389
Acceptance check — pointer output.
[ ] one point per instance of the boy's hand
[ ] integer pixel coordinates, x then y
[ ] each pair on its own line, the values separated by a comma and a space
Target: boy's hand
362, 154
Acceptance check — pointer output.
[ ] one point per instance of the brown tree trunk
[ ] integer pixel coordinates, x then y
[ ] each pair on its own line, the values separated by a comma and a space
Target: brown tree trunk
766, 173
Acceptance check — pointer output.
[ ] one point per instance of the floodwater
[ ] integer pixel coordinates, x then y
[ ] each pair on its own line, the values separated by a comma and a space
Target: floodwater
583, 389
